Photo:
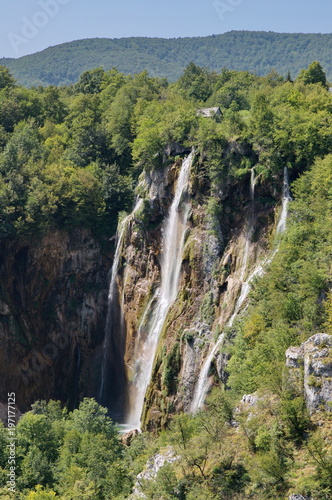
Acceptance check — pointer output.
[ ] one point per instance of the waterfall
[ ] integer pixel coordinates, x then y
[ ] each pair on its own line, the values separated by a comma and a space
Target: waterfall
250, 226
112, 366
203, 384
150, 330
252, 184
285, 199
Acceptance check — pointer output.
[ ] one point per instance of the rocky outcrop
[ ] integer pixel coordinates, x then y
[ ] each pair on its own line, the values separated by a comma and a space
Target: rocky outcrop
299, 497
310, 366
154, 464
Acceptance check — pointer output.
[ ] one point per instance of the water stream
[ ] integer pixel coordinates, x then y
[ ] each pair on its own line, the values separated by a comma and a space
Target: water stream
281, 226
151, 328
250, 227
204, 384
113, 379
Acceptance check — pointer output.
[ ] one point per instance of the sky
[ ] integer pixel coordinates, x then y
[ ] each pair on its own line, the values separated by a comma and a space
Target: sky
28, 26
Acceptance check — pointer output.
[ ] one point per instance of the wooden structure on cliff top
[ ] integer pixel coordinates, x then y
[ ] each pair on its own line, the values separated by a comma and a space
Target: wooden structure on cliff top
210, 113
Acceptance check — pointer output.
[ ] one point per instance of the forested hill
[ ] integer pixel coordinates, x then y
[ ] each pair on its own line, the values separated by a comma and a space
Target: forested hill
258, 52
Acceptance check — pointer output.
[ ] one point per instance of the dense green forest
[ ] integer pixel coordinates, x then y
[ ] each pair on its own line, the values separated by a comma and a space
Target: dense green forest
72, 156
258, 52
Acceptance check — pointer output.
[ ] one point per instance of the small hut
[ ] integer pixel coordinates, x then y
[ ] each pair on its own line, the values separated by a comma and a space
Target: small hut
210, 113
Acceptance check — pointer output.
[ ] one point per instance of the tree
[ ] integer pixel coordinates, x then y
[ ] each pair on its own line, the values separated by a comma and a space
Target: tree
36, 431
6, 78
195, 83
91, 417
22, 147
90, 82
41, 494
313, 74
54, 108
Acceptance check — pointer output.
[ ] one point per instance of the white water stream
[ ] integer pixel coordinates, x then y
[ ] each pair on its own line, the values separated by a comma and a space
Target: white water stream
173, 243
281, 227
203, 384
112, 293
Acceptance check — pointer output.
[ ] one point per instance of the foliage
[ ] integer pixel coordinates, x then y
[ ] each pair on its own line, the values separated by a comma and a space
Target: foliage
313, 74
6, 78
69, 455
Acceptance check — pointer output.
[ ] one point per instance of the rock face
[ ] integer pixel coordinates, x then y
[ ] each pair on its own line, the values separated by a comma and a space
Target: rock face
154, 464
311, 366
218, 255
298, 497
53, 302
53, 292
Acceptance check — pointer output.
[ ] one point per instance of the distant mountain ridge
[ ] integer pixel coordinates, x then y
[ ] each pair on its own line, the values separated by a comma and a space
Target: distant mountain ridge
255, 51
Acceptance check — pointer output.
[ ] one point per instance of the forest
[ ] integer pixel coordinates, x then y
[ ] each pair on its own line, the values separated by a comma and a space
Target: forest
72, 156
258, 52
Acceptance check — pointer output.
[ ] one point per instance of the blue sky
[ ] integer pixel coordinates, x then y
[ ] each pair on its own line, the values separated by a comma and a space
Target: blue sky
28, 26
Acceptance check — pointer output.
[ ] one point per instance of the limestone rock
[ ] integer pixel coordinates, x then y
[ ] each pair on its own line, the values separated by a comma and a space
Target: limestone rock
250, 399
315, 355
298, 497
4, 309
175, 148
294, 357
129, 436
153, 465
221, 365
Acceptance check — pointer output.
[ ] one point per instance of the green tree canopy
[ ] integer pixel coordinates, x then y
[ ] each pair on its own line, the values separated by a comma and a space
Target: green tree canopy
313, 74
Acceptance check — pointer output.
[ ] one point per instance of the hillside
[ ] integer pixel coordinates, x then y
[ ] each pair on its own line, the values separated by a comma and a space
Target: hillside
258, 52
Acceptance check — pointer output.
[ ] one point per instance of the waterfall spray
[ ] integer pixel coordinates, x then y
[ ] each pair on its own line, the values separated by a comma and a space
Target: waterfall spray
173, 242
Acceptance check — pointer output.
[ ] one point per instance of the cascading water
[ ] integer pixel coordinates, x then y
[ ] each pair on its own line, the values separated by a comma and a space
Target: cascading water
281, 226
113, 380
203, 384
250, 226
173, 243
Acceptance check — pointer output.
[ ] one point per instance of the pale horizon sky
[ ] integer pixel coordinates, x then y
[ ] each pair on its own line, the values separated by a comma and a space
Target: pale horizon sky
28, 26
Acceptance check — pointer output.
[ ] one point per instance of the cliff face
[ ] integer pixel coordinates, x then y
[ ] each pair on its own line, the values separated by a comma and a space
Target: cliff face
54, 296
53, 304
221, 251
